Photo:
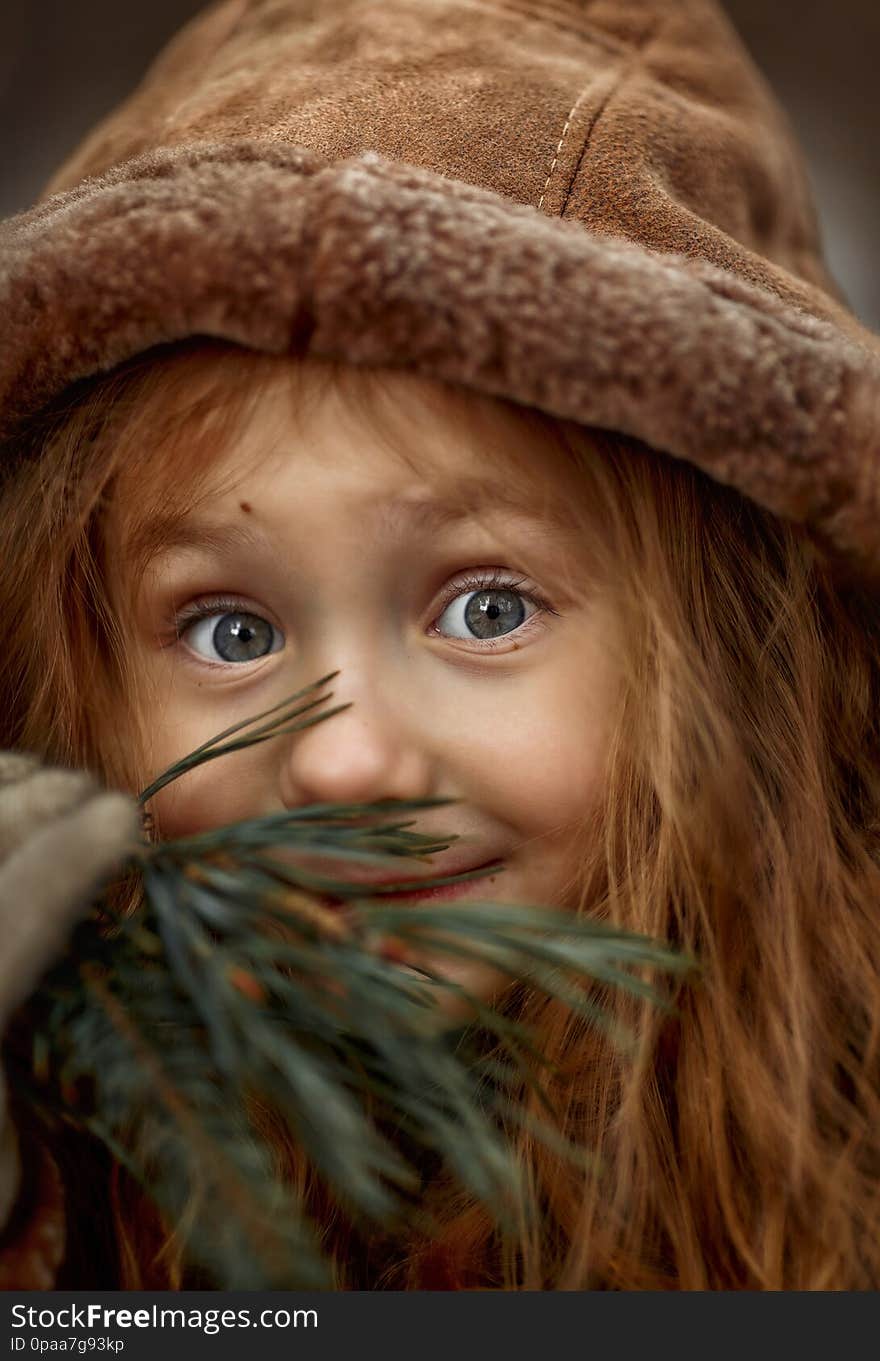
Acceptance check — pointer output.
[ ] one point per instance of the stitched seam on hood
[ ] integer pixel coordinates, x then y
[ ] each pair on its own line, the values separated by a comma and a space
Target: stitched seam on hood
628, 71
565, 128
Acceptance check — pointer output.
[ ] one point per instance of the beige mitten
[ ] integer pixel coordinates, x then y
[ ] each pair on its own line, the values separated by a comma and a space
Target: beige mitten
61, 836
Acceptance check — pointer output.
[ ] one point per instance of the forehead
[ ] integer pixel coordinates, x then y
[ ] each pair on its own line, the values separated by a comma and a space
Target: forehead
395, 451
405, 439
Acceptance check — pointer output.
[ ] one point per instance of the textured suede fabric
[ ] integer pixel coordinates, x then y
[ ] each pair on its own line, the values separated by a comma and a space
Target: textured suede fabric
591, 206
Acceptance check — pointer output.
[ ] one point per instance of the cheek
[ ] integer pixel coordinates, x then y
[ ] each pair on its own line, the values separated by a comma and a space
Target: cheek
538, 754
557, 772
230, 789
196, 803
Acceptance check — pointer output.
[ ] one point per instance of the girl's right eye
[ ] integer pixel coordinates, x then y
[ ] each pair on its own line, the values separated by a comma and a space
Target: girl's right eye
226, 634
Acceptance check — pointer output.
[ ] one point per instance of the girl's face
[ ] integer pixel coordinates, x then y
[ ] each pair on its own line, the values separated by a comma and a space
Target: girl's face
448, 589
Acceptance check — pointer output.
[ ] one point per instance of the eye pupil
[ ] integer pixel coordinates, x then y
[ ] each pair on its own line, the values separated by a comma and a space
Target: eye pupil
492, 613
242, 637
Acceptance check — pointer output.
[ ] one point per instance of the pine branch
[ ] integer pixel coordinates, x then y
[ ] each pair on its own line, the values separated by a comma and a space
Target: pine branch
234, 982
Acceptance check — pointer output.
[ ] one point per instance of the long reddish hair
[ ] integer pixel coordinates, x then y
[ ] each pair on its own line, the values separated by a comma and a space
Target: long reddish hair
739, 1146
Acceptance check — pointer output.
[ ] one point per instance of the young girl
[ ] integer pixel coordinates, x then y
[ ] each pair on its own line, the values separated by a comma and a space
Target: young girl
485, 353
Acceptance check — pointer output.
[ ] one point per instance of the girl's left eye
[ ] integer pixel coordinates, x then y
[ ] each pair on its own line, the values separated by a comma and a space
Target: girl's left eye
481, 609
233, 633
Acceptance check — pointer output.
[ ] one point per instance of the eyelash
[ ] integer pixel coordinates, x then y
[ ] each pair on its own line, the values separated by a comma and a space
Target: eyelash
494, 581
204, 609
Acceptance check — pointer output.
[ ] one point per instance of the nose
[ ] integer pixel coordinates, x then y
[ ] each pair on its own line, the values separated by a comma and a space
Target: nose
367, 752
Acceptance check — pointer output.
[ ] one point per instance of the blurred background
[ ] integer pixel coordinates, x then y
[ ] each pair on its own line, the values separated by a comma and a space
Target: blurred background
64, 63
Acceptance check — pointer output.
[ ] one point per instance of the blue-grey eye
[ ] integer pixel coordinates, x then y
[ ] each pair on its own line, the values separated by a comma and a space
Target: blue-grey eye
234, 636
485, 614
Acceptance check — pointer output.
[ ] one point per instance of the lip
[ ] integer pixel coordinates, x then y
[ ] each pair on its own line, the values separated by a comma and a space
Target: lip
443, 891
396, 891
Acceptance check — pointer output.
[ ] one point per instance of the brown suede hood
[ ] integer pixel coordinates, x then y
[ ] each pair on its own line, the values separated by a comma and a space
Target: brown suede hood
591, 206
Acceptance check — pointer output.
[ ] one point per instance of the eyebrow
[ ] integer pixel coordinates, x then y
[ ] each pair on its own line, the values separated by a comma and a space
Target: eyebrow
159, 536
437, 512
